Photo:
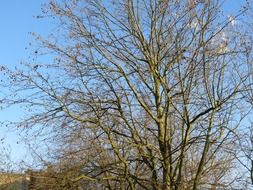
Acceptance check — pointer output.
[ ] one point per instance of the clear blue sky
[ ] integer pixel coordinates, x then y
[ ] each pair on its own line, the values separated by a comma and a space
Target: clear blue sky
17, 19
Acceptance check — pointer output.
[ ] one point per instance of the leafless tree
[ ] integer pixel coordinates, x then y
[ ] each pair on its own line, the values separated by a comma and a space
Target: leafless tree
141, 94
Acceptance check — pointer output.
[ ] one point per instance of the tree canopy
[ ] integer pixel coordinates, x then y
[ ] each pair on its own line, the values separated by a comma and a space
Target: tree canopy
141, 94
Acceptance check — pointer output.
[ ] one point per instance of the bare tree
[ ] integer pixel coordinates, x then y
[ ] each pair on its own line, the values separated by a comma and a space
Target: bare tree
140, 94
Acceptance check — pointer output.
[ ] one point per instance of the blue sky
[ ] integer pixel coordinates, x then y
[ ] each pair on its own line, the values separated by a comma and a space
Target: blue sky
17, 19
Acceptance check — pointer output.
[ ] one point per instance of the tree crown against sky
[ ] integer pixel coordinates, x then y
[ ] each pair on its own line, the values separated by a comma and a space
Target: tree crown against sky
140, 94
